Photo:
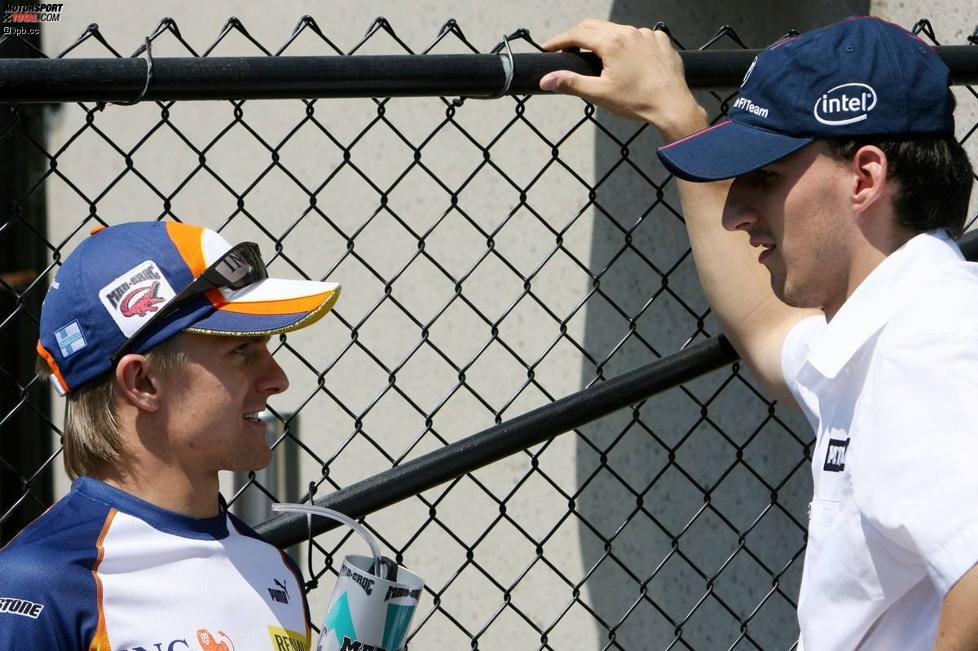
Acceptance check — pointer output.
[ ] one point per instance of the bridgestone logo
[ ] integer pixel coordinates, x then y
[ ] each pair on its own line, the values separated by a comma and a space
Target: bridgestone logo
20, 607
746, 105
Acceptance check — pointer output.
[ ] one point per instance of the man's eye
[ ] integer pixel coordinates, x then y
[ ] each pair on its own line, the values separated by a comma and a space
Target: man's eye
241, 349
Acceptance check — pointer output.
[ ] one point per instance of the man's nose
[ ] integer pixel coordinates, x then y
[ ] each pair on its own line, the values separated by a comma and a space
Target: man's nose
738, 211
272, 379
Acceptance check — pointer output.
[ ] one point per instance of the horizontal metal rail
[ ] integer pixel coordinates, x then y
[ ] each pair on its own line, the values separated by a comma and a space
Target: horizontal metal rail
281, 77
519, 433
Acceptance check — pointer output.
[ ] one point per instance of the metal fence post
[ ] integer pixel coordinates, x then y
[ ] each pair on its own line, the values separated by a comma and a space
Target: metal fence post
25, 441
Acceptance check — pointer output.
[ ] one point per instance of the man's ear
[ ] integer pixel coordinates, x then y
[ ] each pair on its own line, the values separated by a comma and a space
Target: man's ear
138, 382
870, 184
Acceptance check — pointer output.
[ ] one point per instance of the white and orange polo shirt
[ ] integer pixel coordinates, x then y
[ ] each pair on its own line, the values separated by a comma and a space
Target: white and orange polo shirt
105, 571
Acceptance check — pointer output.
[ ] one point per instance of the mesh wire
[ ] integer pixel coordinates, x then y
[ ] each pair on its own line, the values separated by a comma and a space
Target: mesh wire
686, 511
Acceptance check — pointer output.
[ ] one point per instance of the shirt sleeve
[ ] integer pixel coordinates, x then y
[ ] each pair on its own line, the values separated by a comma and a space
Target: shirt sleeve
913, 463
29, 619
48, 594
794, 352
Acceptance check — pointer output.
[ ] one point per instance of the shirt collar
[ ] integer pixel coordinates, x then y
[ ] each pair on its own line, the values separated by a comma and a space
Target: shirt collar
213, 528
889, 286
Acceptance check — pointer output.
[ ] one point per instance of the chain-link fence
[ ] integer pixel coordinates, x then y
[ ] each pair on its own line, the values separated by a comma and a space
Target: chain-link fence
495, 255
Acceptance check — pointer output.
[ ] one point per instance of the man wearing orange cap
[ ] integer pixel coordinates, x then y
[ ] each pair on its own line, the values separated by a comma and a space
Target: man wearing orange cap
157, 334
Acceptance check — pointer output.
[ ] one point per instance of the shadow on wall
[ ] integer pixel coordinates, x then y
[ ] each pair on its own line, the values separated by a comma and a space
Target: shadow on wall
638, 499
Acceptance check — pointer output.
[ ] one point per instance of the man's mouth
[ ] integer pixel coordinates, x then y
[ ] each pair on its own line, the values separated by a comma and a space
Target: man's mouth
254, 416
766, 246
767, 249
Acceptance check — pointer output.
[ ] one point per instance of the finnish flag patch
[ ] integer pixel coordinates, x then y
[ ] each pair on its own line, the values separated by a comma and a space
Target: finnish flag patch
70, 339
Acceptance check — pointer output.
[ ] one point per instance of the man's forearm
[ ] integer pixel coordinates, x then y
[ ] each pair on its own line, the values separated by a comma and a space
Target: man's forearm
642, 78
958, 627
736, 285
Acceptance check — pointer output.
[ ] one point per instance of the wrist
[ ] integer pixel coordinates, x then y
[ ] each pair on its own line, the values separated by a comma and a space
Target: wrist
678, 124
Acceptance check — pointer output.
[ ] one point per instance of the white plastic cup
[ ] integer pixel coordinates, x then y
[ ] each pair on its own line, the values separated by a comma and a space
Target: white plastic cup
368, 612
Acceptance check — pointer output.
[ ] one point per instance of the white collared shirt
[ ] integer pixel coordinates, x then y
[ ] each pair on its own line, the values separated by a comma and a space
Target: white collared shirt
891, 388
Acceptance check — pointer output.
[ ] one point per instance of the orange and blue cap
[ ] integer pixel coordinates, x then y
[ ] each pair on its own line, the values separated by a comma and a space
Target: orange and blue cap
118, 277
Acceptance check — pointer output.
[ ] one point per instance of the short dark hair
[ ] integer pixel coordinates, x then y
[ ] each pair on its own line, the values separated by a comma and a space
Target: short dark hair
934, 174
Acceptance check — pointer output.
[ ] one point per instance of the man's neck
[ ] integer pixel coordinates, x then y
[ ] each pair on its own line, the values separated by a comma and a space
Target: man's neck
867, 256
167, 488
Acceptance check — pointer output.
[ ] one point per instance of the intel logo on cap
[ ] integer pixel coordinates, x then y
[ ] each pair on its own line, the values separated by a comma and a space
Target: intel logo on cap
845, 104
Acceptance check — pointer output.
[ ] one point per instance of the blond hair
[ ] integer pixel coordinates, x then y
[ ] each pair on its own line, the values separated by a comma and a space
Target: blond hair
91, 428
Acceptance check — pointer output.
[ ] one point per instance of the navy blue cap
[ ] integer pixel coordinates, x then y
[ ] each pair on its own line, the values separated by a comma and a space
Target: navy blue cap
120, 276
859, 77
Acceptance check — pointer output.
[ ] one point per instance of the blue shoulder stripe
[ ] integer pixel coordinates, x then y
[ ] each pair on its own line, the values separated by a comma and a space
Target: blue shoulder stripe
49, 564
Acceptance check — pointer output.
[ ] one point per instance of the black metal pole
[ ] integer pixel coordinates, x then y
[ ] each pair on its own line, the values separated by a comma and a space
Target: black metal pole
470, 75
26, 484
504, 439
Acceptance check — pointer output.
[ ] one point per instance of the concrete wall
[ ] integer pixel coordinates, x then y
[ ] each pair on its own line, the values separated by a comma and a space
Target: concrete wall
357, 387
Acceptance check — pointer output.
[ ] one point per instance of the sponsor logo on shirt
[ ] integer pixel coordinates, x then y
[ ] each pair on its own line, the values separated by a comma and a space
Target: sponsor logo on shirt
208, 642
162, 646
285, 640
280, 593
22, 607
835, 455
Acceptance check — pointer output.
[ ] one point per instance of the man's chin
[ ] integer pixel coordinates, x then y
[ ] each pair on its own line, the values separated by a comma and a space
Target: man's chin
257, 460
790, 296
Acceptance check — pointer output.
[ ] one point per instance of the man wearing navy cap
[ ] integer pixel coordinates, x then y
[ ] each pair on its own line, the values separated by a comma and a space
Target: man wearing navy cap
861, 312
157, 334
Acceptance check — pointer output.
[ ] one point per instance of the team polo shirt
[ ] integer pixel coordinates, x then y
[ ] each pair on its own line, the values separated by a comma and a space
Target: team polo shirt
103, 570
890, 385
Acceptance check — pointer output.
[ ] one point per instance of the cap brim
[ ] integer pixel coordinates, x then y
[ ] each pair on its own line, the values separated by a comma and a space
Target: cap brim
726, 150
269, 307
